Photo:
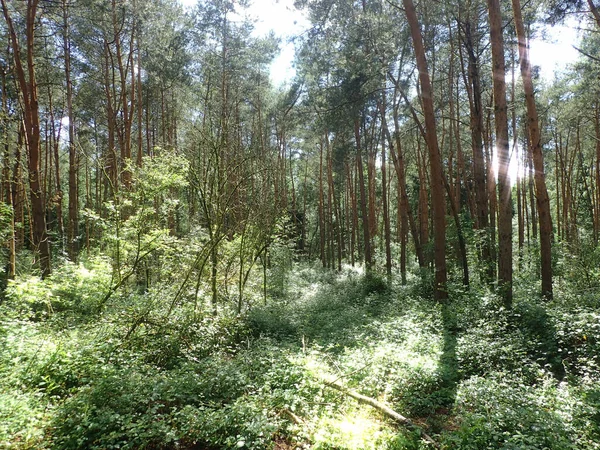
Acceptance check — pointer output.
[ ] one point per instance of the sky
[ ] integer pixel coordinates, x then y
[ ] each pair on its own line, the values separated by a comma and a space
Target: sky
285, 21
552, 52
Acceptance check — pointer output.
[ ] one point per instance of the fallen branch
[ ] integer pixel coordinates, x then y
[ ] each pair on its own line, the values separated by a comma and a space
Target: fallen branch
297, 420
386, 410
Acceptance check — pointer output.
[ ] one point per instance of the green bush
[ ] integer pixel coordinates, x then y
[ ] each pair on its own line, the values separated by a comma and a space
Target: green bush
505, 412
73, 289
140, 406
578, 334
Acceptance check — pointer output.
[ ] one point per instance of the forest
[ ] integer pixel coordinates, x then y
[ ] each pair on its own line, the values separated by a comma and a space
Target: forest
395, 248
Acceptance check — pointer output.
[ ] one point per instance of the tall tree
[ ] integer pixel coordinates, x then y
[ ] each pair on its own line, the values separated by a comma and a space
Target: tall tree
26, 78
73, 223
437, 177
467, 28
505, 269
535, 142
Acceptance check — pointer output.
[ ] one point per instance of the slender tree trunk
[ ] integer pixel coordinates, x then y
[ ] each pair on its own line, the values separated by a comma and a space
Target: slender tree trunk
353, 214
334, 210
52, 153
7, 190
399, 164
535, 140
363, 199
140, 110
437, 182
473, 84
386, 212
423, 207
321, 209
18, 191
505, 271
28, 86
73, 220
597, 173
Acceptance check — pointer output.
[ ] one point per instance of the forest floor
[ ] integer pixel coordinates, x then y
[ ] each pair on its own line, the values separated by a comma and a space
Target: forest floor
142, 374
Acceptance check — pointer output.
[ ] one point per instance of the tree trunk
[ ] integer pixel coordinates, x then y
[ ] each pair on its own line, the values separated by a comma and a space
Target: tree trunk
321, 210
7, 191
502, 147
363, 198
28, 87
386, 212
437, 183
73, 221
535, 140
473, 85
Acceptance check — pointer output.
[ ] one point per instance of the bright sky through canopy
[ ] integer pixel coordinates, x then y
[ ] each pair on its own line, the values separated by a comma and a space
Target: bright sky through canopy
285, 21
551, 53
554, 52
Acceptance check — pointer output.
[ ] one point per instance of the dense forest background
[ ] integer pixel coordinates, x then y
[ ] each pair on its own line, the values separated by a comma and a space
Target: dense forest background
398, 248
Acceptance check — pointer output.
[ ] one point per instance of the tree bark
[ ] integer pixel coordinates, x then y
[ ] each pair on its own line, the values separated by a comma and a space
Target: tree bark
505, 270
28, 86
437, 182
7, 191
473, 84
535, 141
73, 221
381, 407
363, 198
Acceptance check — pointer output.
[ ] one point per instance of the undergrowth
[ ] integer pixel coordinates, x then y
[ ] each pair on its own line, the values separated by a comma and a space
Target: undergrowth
147, 373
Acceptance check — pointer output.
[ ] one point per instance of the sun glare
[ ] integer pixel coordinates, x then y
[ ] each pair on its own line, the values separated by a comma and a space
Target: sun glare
515, 169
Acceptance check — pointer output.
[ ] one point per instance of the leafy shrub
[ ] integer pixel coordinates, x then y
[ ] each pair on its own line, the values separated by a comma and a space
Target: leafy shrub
579, 340
271, 320
504, 412
373, 283
539, 336
22, 420
73, 289
138, 406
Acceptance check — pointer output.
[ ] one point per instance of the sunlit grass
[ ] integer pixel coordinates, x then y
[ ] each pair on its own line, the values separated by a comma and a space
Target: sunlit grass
356, 428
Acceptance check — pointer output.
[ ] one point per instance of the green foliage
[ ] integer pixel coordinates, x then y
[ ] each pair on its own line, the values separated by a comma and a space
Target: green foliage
148, 372
142, 406
6, 217
281, 263
22, 420
578, 334
502, 411
75, 290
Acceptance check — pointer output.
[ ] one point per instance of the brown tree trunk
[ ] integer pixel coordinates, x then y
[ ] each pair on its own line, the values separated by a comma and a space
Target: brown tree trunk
140, 110
437, 182
473, 85
73, 221
336, 236
597, 174
502, 148
321, 209
18, 191
6, 186
126, 110
111, 168
352, 213
399, 165
386, 212
535, 140
52, 153
363, 199
28, 87
594, 11
423, 206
